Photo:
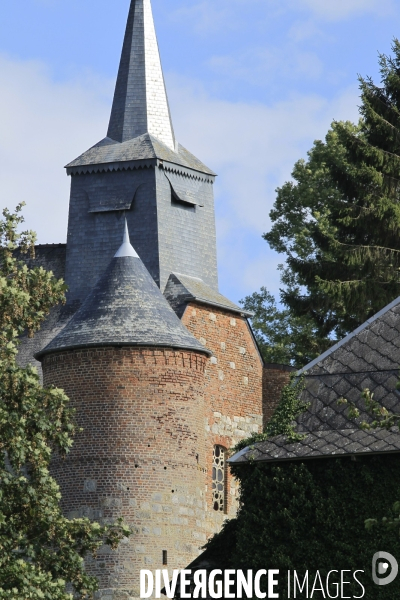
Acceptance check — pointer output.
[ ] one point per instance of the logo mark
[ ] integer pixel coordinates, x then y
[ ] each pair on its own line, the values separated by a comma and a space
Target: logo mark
381, 563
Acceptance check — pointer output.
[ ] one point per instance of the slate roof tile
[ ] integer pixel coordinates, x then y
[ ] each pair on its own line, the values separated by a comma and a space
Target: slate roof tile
181, 289
367, 358
143, 147
323, 444
125, 308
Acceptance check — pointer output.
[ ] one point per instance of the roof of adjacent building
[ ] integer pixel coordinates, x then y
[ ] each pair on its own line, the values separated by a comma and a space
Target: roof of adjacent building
182, 289
125, 308
143, 147
367, 358
323, 444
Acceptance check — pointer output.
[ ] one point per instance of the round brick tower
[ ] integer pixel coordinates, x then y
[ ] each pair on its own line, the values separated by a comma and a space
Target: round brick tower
136, 378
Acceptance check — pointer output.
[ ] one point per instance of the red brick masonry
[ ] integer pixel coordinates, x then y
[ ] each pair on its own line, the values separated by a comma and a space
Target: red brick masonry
141, 453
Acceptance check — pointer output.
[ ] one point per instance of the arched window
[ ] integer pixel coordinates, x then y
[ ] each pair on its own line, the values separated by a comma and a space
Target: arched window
218, 479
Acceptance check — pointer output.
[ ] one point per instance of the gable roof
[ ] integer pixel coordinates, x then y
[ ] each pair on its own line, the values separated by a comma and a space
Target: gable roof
386, 316
182, 289
367, 358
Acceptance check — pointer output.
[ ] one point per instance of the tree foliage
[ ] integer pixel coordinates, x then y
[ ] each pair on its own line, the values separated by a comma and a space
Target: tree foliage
338, 221
283, 337
40, 550
283, 421
317, 520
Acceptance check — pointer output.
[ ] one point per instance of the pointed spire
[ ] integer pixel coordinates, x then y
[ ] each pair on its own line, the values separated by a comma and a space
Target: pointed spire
126, 249
140, 101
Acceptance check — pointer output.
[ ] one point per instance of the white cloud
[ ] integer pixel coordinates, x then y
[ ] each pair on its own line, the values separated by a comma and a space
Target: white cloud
342, 9
253, 148
251, 145
262, 65
43, 126
209, 16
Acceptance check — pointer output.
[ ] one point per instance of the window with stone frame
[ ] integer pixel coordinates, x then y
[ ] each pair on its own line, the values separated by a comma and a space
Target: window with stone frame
219, 479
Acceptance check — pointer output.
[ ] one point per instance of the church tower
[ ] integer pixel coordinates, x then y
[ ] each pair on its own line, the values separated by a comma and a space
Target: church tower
164, 372
139, 171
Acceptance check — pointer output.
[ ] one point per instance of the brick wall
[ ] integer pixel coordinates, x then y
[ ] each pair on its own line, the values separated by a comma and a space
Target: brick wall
275, 377
233, 389
141, 454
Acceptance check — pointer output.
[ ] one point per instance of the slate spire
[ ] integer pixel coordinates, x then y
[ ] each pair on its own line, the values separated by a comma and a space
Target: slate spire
140, 102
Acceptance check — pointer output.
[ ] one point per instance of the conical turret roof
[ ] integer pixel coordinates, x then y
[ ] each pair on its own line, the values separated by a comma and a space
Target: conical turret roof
125, 308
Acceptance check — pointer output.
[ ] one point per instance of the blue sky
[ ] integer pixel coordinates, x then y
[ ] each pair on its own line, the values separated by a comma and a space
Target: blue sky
252, 83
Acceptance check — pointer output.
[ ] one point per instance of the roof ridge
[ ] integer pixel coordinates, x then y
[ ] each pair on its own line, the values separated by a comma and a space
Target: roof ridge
348, 337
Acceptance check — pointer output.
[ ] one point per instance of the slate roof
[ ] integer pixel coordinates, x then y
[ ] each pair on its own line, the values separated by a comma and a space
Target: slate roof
125, 308
140, 128
140, 101
367, 358
142, 148
324, 444
182, 289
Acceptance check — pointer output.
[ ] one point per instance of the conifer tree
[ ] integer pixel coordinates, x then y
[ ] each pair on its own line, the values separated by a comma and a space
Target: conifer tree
338, 222
41, 551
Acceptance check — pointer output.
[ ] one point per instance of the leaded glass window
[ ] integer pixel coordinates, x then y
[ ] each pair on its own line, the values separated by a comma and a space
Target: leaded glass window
218, 479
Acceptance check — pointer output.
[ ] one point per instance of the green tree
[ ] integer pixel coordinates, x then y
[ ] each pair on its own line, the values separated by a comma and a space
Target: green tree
282, 337
40, 550
338, 221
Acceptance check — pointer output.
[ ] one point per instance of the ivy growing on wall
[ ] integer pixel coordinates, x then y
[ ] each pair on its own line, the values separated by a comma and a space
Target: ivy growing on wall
283, 419
310, 516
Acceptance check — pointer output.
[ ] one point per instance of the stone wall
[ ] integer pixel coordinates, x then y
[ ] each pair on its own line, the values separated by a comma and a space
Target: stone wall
233, 389
141, 454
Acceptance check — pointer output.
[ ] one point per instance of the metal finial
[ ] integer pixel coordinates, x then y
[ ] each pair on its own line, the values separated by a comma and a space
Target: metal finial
126, 249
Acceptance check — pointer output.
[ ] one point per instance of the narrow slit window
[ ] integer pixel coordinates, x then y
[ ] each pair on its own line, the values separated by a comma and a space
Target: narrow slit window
164, 557
218, 479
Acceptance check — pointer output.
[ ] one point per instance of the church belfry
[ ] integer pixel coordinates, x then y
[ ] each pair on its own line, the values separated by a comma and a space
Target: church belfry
139, 171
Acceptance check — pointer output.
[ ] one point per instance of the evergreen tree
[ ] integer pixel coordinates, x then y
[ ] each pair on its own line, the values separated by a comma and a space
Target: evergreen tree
40, 550
282, 337
338, 222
